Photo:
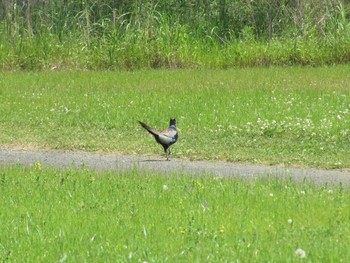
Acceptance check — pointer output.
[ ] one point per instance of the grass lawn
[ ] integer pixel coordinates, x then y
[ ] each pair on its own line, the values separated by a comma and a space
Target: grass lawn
297, 116
51, 215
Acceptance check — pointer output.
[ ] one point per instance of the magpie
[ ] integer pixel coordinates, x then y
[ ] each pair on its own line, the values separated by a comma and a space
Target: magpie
166, 137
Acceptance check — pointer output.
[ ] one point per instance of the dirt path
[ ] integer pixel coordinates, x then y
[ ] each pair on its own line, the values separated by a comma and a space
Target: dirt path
104, 161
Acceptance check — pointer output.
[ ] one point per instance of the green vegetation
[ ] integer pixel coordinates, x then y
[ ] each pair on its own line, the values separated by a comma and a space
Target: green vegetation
293, 116
132, 34
297, 116
68, 215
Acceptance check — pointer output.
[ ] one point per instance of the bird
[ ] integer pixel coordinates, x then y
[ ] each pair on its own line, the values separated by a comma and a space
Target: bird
166, 137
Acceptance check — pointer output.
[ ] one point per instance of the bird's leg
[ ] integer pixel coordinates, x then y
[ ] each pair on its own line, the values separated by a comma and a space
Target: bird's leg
168, 155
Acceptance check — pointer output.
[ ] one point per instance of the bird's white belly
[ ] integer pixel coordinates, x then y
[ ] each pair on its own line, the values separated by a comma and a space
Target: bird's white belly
165, 139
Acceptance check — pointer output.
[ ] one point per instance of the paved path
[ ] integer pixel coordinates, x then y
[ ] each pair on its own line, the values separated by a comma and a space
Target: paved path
105, 161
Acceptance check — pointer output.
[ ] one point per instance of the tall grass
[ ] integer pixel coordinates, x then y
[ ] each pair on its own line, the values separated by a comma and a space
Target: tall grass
172, 34
77, 216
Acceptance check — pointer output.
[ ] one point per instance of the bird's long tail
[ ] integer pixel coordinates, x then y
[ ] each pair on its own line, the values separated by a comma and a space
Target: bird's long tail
149, 129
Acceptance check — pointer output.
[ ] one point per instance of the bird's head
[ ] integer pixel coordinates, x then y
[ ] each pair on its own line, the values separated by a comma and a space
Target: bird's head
172, 123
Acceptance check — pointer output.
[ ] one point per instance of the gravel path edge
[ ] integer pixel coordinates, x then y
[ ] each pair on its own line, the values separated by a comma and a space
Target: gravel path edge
106, 161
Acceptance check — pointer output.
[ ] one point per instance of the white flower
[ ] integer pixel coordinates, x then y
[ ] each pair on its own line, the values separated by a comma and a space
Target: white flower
290, 221
300, 253
165, 187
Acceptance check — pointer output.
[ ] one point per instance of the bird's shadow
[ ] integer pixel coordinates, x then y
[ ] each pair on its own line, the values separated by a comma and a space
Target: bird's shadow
154, 160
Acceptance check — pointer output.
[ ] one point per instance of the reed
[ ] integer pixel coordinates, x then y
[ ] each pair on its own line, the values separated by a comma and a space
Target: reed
171, 34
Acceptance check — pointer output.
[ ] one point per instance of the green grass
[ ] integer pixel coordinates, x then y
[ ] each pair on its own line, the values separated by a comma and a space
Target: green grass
297, 116
170, 50
68, 215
